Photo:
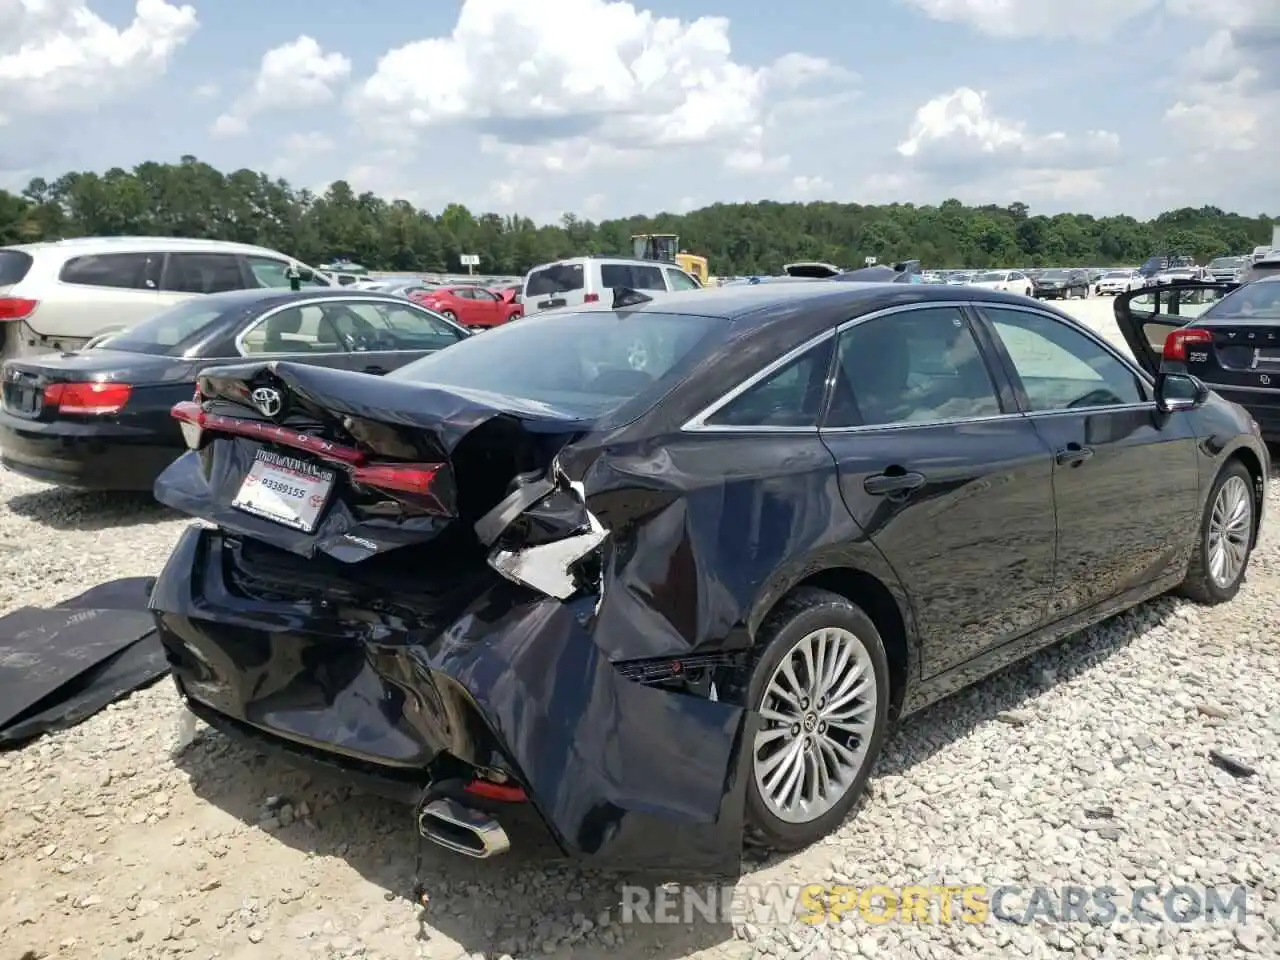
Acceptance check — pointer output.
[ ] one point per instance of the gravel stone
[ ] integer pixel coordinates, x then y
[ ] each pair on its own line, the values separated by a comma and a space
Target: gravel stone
1087, 765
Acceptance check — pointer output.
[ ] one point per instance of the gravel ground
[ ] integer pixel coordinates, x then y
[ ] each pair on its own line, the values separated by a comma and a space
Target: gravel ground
1088, 765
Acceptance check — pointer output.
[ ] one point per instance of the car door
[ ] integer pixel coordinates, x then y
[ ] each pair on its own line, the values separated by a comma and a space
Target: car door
1148, 315
489, 308
946, 477
382, 335
1126, 477
295, 331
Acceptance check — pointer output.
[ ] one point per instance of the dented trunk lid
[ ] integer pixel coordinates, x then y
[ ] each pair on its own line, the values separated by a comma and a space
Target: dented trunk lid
316, 460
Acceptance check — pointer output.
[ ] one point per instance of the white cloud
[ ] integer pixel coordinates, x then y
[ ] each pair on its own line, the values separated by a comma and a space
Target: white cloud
958, 146
585, 84
58, 55
1230, 100
293, 76
1019, 19
960, 128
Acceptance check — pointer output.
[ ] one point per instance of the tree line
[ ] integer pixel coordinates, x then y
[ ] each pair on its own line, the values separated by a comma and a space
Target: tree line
192, 199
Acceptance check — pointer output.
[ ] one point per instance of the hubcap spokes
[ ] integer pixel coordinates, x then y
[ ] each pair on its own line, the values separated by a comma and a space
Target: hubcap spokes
818, 713
1230, 525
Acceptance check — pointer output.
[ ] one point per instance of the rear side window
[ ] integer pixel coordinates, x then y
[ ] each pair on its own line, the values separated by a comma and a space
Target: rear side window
14, 265
920, 366
631, 276
790, 397
126, 271
202, 273
559, 278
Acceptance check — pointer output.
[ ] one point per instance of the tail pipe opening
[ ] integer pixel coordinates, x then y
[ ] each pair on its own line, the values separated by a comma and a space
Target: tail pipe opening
461, 829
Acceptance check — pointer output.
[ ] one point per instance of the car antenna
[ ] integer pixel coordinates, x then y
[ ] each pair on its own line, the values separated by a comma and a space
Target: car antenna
626, 297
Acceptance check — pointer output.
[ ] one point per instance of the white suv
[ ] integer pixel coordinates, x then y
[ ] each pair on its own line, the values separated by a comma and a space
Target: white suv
62, 294
571, 283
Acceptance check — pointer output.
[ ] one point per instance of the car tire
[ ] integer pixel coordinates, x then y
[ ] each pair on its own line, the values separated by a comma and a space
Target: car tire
1230, 517
784, 820
449, 315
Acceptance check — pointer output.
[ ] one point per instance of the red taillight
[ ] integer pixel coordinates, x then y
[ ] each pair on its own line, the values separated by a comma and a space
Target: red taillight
496, 791
418, 479
190, 413
1176, 344
415, 478
87, 399
591, 298
15, 308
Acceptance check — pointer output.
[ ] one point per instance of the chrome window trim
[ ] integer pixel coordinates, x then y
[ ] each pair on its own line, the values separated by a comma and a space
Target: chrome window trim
698, 423
354, 297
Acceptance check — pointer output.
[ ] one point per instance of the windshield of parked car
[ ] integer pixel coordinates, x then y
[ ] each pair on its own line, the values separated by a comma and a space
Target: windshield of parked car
1054, 274
167, 334
1223, 263
1259, 300
586, 364
1116, 274
993, 275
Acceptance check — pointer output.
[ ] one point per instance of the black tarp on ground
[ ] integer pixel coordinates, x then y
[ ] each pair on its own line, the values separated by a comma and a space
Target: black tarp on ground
61, 665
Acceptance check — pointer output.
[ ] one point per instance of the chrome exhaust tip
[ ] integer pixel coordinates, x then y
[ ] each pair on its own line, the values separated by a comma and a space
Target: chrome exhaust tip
462, 829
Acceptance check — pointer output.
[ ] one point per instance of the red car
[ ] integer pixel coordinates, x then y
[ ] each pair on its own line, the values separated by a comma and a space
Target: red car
472, 306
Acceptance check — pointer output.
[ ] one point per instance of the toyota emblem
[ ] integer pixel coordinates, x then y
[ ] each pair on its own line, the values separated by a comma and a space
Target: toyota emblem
269, 400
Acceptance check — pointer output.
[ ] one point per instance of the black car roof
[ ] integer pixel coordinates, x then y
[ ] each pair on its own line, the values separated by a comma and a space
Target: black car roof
755, 304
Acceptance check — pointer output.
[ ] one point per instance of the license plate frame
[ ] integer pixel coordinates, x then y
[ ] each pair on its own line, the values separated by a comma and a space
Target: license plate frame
287, 491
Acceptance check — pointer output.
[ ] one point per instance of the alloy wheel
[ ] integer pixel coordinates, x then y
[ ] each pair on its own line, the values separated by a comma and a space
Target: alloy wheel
819, 713
1230, 525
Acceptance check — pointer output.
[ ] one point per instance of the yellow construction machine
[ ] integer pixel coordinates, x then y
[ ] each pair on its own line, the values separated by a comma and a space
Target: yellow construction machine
666, 248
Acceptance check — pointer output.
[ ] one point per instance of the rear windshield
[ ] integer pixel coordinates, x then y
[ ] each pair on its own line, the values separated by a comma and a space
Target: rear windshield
557, 278
167, 334
14, 265
1254, 300
982, 277
582, 364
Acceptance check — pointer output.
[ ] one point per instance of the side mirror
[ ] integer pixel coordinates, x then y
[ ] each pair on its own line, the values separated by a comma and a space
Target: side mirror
1179, 391
304, 274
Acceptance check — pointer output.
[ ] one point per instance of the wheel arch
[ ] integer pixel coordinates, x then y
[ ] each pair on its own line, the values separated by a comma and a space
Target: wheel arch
1253, 463
879, 595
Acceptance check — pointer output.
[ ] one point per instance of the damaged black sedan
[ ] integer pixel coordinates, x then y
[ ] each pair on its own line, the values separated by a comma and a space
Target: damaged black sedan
662, 574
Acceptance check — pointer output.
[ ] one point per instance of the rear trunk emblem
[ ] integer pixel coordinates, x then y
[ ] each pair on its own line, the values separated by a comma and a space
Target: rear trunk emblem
269, 400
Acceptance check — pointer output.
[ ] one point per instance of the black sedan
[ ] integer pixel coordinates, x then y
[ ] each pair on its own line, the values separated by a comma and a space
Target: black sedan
663, 573
1061, 284
1225, 334
100, 418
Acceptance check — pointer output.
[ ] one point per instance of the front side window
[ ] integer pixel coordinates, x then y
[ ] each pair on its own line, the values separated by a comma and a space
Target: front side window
126, 271
789, 397
1061, 368
374, 325
918, 366
681, 280
202, 273
270, 272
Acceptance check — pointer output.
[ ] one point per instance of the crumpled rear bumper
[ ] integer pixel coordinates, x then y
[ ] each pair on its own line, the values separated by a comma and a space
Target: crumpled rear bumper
623, 775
